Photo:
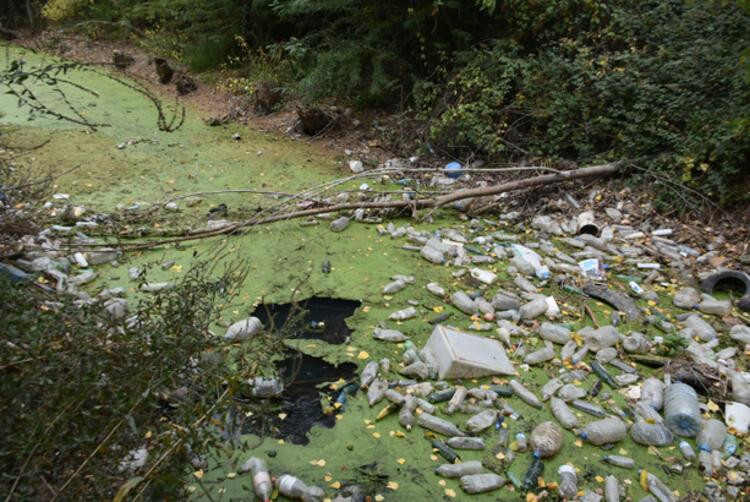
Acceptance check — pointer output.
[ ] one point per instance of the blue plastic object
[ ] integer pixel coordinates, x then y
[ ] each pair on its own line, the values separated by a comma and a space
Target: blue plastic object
453, 170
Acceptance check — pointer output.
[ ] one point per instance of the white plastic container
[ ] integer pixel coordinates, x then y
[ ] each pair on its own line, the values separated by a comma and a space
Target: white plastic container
460, 355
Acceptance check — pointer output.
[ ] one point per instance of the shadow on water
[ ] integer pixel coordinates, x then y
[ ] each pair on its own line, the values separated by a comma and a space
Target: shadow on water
306, 378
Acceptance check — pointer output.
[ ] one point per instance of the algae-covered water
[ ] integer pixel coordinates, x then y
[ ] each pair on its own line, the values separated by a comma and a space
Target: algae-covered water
382, 456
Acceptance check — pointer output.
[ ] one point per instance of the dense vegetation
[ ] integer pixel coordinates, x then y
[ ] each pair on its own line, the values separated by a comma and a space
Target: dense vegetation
663, 84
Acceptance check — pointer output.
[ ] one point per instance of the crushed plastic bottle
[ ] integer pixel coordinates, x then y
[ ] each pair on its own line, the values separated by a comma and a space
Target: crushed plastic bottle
465, 443
456, 400
525, 394
563, 413
651, 434
438, 425
481, 483
464, 303
687, 450
681, 412
605, 431
262, 485
555, 333
481, 421
658, 489
710, 305
533, 309
266, 387
368, 374
546, 440
652, 393
710, 438
550, 388
389, 335
568, 485
619, 461
376, 391
458, 470
547, 353
403, 315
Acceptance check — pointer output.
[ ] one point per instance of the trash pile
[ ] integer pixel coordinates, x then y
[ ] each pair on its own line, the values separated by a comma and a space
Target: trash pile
516, 298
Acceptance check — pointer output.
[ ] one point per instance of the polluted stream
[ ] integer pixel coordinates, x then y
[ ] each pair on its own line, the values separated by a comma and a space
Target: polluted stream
306, 378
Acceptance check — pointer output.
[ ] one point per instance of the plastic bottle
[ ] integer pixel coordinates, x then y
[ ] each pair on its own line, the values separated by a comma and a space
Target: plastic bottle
658, 489
655, 434
416, 369
569, 391
710, 305
261, 479
534, 308
681, 412
544, 354
394, 287
563, 413
568, 486
611, 489
465, 443
481, 483
295, 488
462, 302
403, 315
438, 425
376, 391
368, 374
525, 394
652, 393
266, 387
579, 354
550, 388
457, 399
568, 350
587, 407
636, 343
687, 450
711, 438
389, 335
481, 421
526, 259
555, 333
522, 442
458, 470
546, 440
394, 396
406, 413
619, 461
605, 431
531, 479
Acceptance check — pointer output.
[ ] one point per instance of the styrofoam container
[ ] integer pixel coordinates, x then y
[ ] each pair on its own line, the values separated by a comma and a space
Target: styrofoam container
461, 355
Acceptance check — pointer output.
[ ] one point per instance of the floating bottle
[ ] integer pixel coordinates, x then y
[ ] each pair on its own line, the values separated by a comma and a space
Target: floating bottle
368, 374
525, 394
605, 431
458, 470
546, 440
438, 425
568, 486
456, 399
262, 485
611, 489
563, 413
681, 412
295, 488
651, 434
619, 461
481, 483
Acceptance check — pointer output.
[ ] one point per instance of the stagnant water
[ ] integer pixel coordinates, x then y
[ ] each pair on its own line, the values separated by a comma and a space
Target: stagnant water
310, 376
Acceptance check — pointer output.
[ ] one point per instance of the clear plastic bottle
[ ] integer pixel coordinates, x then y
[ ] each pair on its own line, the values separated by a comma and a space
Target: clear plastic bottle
534, 308
525, 394
376, 391
568, 350
261, 478
465, 443
438, 425
658, 489
406, 413
481, 483
458, 470
687, 450
295, 488
649, 434
611, 489
681, 412
522, 442
368, 374
547, 353
605, 431
550, 388
563, 413
546, 440
555, 333
462, 302
652, 393
710, 438
529, 261
568, 486
619, 461
481, 421
457, 399
710, 305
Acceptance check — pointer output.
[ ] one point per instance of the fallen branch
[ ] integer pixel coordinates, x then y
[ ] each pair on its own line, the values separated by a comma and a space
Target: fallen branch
433, 202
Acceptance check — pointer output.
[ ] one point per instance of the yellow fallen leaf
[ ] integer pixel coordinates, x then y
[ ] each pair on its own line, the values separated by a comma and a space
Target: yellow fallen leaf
392, 485
599, 479
231, 475
376, 435
712, 406
433, 458
442, 482
450, 492
399, 434
327, 478
438, 309
363, 355
644, 480
198, 474
335, 485
401, 461
578, 443
379, 498
282, 416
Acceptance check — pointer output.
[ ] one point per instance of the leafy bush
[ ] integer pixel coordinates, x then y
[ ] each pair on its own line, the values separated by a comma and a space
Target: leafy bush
657, 82
81, 391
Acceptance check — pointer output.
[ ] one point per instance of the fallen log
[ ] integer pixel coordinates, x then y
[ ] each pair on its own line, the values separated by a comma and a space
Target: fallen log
427, 203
